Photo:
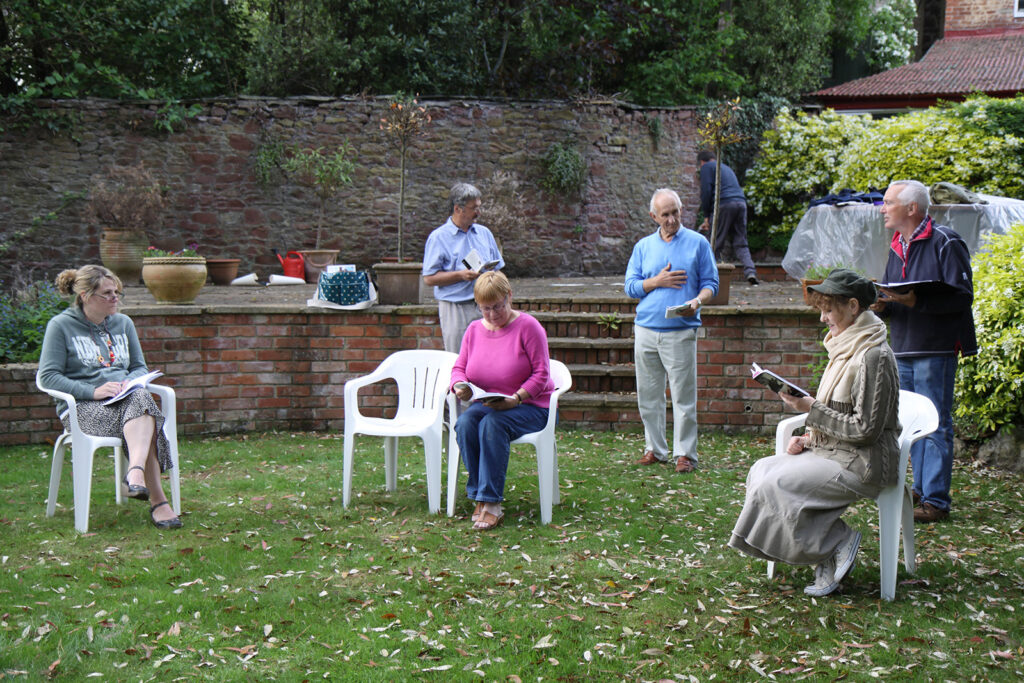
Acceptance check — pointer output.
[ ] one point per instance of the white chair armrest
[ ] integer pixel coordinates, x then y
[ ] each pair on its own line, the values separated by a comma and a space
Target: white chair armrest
784, 432
64, 396
167, 397
353, 386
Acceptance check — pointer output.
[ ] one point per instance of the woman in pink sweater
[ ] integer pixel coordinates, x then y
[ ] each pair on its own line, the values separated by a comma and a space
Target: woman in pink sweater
505, 352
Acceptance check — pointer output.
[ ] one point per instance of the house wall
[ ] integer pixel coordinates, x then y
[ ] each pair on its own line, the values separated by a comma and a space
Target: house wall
215, 199
981, 16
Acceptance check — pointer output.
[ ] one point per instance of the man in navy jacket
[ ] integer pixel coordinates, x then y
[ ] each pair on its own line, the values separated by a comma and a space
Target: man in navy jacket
931, 323
732, 212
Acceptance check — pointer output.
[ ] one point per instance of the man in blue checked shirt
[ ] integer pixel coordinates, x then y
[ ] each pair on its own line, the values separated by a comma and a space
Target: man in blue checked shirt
443, 267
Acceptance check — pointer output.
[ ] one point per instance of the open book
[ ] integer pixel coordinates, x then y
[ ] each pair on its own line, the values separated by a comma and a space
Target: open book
481, 395
923, 286
680, 311
137, 383
774, 382
474, 261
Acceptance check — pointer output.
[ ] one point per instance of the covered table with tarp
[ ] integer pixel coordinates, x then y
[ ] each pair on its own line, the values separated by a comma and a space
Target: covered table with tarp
855, 235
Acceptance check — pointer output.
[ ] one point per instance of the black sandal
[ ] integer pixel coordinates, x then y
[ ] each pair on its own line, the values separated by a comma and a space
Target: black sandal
173, 523
134, 490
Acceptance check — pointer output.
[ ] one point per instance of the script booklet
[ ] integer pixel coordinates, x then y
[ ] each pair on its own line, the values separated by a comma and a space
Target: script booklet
474, 261
481, 395
680, 311
774, 382
928, 286
137, 383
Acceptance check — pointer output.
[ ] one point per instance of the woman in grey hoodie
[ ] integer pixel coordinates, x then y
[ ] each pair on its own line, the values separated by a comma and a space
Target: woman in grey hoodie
90, 351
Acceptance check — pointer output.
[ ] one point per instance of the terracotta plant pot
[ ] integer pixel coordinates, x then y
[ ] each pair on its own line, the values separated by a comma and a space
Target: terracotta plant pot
724, 279
398, 283
121, 251
315, 260
222, 270
174, 279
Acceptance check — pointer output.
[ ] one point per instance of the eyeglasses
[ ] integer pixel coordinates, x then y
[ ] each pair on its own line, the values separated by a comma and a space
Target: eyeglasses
116, 296
495, 308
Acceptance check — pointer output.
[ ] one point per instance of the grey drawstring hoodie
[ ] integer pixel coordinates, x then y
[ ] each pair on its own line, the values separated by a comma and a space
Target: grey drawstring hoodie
75, 350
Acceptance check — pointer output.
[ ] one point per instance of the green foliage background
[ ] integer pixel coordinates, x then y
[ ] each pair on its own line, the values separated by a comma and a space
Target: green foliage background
23, 317
799, 160
990, 385
656, 52
978, 144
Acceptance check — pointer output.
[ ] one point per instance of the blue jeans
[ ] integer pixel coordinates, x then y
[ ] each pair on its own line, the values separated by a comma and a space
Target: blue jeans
931, 458
484, 436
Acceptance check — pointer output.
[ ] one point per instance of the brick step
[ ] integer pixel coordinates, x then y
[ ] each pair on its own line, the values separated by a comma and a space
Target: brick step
585, 324
623, 306
598, 378
583, 351
600, 412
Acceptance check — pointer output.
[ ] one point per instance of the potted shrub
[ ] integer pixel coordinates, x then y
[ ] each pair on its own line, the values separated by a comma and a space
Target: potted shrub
399, 282
174, 277
124, 202
325, 173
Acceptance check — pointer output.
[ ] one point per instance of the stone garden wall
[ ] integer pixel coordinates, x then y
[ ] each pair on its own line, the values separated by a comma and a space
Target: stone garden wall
216, 200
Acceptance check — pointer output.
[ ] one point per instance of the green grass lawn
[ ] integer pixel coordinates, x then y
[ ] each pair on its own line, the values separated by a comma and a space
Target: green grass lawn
271, 579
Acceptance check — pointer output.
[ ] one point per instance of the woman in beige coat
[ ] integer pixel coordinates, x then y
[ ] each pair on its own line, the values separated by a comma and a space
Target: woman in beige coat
794, 502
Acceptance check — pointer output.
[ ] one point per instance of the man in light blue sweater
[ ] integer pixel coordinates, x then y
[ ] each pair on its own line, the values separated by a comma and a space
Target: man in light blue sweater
669, 268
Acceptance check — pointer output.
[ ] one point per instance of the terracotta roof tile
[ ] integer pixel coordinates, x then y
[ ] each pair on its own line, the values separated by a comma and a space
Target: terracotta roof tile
953, 66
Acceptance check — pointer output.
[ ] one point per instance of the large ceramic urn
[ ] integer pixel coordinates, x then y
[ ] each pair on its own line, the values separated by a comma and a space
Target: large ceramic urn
174, 279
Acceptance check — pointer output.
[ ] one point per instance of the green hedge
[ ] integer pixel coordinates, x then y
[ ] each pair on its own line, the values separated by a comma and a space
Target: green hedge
990, 385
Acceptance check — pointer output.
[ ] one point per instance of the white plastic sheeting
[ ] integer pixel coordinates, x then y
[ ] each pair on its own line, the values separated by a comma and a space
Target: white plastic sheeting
855, 235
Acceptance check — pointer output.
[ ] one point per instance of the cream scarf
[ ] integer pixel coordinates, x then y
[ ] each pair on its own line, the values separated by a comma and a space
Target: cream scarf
844, 354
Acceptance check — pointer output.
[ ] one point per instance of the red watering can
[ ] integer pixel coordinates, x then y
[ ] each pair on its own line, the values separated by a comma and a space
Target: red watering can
292, 263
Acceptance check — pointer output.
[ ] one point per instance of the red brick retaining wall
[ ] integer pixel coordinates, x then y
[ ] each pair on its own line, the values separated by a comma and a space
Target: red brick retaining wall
242, 371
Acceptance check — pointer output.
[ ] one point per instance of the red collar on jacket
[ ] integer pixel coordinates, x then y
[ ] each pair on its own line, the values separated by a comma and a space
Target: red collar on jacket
923, 231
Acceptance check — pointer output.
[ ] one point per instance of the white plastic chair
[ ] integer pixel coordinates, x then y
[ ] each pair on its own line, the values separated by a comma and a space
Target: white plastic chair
423, 376
918, 419
84, 446
542, 441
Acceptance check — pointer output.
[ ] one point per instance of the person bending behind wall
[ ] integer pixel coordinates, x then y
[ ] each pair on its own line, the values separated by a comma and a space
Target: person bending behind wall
90, 351
794, 502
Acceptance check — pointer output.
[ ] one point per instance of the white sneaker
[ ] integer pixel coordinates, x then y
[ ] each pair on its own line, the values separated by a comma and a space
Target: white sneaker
824, 578
846, 555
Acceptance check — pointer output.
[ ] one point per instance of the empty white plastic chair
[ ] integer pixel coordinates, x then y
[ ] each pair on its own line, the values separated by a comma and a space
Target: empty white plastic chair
543, 442
84, 447
422, 376
918, 418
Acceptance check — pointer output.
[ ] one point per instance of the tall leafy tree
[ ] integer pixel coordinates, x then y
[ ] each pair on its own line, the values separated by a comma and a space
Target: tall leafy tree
120, 48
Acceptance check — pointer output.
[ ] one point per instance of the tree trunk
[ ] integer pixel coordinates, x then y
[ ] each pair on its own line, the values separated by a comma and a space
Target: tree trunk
718, 196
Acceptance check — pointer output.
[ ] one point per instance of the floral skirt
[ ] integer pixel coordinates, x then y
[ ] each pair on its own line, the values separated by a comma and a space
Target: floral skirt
96, 419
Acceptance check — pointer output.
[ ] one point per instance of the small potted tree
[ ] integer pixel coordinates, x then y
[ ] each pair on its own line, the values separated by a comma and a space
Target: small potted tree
403, 121
125, 201
325, 173
716, 131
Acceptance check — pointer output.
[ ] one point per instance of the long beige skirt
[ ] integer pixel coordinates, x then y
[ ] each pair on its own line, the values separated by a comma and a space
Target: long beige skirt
793, 508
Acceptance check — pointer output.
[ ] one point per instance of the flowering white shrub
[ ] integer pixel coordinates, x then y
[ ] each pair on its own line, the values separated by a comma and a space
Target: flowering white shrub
978, 143
933, 145
893, 35
799, 160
